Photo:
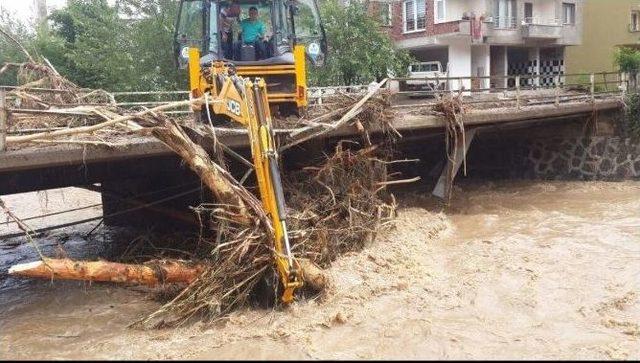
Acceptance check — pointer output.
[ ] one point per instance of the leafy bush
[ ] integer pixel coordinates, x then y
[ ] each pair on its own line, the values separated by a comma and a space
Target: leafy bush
123, 47
359, 50
627, 59
128, 46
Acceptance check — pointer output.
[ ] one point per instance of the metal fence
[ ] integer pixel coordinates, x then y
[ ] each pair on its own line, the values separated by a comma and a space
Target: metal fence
564, 87
580, 87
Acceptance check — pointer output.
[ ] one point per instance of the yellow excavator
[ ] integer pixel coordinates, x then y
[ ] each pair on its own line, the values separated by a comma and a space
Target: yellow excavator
279, 78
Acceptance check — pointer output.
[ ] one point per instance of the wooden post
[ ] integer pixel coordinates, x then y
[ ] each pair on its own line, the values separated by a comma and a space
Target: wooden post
4, 116
593, 87
557, 81
604, 79
518, 92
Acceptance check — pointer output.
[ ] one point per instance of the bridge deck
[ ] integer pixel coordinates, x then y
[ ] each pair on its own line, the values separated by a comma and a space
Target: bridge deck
406, 120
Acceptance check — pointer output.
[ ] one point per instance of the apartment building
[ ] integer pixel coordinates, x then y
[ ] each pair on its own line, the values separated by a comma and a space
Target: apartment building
608, 24
490, 37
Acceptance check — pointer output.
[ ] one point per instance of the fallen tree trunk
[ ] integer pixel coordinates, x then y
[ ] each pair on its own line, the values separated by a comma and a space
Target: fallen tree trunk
218, 180
88, 129
151, 274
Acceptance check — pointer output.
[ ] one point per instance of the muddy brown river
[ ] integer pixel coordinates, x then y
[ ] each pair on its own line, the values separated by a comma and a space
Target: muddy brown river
512, 270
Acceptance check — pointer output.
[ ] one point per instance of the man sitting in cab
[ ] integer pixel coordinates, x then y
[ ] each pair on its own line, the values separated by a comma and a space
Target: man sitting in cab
254, 33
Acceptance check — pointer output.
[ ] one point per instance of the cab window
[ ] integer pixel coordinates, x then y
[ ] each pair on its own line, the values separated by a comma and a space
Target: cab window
191, 24
307, 24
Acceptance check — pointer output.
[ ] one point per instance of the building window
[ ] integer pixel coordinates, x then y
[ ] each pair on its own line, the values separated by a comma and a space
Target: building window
439, 7
568, 13
384, 11
528, 13
635, 21
505, 14
414, 15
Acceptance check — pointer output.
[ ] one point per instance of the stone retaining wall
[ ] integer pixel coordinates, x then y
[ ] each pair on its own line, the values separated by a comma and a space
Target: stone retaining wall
595, 158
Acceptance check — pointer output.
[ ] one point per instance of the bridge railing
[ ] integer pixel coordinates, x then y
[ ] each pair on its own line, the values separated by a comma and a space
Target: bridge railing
316, 95
540, 89
518, 88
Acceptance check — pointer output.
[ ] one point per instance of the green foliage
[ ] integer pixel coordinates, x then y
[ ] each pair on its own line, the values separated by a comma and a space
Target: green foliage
9, 52
359, 50
88, 43
123, 47
627, 59
152, 44
128, 46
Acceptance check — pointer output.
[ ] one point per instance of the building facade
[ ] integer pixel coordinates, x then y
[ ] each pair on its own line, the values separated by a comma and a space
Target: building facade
608, 24
490, 37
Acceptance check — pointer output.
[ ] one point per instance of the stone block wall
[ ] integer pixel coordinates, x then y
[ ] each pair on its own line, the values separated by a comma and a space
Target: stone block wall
594, 158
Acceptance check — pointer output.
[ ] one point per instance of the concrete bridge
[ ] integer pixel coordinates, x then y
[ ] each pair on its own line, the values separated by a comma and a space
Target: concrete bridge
39, 168
145, 164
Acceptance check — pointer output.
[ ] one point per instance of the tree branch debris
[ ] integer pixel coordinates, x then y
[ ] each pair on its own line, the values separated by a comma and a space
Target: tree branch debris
335, 206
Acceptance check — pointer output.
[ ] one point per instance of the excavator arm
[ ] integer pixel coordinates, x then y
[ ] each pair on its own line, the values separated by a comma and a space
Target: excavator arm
245, 101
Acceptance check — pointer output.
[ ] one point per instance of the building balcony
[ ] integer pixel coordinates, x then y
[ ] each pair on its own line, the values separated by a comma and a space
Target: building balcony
541, 29
502, 31
513, 31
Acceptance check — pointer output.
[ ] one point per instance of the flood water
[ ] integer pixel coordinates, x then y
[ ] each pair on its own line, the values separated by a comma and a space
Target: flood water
510, 270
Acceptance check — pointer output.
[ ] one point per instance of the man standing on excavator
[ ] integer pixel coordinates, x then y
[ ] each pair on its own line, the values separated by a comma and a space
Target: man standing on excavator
228, 15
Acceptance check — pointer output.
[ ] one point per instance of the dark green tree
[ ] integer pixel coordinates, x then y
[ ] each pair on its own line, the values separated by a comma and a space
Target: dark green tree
125, 47
151, 24
9, 51
360, 51
90, 44
627, 59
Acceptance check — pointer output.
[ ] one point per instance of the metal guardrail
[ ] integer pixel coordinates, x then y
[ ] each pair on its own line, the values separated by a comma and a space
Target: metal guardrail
505, 22
536, 20
593, 84
154, 98
316, 95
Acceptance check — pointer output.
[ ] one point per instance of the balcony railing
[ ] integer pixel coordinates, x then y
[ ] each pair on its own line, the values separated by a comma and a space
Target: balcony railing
541, 21
505, 23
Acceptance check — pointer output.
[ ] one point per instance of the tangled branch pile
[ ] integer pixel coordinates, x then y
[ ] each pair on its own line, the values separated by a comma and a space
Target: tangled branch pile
340, 205
455, 136
334, 207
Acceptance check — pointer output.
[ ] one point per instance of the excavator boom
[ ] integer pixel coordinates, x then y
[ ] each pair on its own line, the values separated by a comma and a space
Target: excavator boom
246, 101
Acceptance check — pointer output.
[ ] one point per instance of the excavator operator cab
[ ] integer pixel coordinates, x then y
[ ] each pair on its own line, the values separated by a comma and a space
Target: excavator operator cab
271, 39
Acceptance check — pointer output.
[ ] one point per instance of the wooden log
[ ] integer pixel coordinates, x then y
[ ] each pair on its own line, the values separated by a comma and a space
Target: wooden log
212, 175
151, 274
89, 129
314, 277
